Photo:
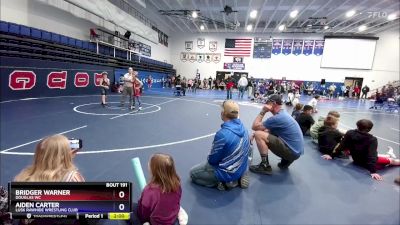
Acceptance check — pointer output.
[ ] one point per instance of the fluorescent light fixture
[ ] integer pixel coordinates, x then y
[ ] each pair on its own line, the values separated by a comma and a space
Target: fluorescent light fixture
253, 14
294, 13
362, 28
392, 16
282, 27
201, 27
350, 13
194, 14
326, 27
249, 27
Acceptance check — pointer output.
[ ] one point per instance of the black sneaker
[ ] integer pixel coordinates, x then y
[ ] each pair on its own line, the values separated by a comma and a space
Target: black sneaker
284, 164
262, 168
244, 181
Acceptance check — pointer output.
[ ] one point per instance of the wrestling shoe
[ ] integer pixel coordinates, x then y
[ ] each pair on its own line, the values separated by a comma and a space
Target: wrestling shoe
391, 153
262, 168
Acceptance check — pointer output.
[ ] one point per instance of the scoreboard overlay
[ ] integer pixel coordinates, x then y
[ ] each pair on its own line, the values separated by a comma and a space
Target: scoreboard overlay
90, 200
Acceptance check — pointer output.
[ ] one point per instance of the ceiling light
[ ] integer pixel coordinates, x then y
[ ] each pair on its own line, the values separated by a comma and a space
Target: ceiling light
362, 28
282, 27
201, 27
326, 27
294, 13
392, 16
253, 14
350, 13
249, 27
194, 14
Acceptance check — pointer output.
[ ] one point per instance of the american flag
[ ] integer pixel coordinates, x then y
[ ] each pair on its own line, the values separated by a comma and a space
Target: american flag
237, 47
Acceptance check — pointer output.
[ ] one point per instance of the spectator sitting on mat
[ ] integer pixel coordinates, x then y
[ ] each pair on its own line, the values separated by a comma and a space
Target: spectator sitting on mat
313, 102
297, 110
305, 119
159, 202
328, 135
280, 134
363, 149
228, 160
314, 128
52, 162
296, 98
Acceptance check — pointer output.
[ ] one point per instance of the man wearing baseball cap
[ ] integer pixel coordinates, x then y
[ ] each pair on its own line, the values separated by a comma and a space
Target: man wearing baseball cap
227, 162
279, 134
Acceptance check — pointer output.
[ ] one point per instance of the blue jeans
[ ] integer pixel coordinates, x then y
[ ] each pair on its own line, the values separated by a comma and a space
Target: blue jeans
241, 91
228, 93
204, 175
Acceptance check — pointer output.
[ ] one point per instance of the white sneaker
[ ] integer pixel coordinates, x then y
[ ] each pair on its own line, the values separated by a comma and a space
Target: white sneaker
132, 107
391, 153
140, 108
183, 217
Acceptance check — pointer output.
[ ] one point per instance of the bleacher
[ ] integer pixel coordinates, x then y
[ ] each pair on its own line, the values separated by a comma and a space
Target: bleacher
28, 42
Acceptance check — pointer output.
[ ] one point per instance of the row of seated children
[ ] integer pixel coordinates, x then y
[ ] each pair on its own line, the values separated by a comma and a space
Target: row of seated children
53, 162
332, 142
359, 143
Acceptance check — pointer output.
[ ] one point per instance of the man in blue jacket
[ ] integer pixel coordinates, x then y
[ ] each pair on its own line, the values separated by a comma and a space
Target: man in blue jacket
227, 162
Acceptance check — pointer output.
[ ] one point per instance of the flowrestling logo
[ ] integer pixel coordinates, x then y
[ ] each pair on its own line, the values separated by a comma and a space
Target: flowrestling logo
20, 80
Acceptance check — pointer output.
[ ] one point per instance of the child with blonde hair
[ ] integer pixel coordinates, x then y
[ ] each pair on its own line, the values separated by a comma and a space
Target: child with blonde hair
52, 162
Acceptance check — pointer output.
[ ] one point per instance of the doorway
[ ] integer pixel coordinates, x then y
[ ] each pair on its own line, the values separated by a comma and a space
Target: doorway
351, 83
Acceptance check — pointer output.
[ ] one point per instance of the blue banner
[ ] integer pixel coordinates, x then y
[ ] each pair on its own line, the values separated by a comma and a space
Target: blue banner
156, 78
276, 46
308, 47
319, 47
34, 78
287, 46
297, 46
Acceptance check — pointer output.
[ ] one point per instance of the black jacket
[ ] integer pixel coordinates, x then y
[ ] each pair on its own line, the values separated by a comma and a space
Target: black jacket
328, 138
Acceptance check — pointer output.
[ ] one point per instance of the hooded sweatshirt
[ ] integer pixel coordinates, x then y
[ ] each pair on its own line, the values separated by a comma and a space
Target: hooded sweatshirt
230, 151
363, 148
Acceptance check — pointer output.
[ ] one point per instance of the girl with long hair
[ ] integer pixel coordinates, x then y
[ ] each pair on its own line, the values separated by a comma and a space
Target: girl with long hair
137, 91
160, 199
52, 162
